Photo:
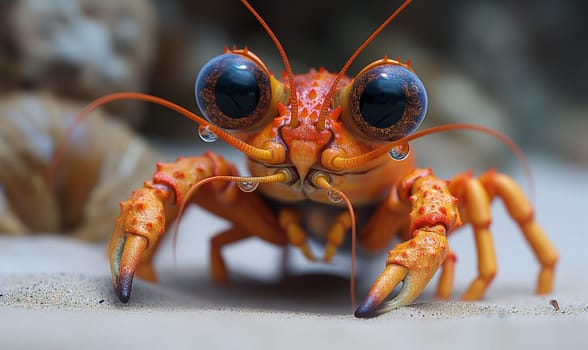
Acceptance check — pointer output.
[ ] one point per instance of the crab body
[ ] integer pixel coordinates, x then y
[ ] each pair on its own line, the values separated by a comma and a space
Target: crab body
365, 186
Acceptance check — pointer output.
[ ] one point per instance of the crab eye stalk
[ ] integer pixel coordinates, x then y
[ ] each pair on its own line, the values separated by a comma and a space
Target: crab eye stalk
233, 91
385, 102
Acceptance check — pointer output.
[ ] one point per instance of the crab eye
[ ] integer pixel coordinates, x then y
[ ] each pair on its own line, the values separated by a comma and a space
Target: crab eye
233, 91
387, 102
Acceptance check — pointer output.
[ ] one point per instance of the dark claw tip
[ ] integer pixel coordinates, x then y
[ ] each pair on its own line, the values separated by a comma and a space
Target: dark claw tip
123, 288
368, 309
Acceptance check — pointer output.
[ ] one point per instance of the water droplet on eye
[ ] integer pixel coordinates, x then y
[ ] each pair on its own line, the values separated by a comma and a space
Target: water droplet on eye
334, 196
400, 152
248, 186
206, 134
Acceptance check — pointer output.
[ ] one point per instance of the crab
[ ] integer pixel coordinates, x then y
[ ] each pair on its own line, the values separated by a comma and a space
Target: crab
328, 158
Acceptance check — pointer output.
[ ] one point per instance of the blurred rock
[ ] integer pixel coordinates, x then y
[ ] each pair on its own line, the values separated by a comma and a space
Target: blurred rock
527, 54
90, 180
78, 48
572, 140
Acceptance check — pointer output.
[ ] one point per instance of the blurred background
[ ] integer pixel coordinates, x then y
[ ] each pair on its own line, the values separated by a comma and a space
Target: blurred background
518, 66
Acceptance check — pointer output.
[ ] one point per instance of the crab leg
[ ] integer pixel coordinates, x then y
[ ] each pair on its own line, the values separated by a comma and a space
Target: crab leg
475, 196
336, 235
147, 213
475, 209
218, 267
414, 262
289, 221
445, 285
519, 208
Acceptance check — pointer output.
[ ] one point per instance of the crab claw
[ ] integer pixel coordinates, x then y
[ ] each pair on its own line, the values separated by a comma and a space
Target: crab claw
126, 254
413, 263
134, 240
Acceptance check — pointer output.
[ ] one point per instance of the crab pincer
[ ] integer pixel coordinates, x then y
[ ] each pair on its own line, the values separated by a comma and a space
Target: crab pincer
414, 262
136, 237
127, 258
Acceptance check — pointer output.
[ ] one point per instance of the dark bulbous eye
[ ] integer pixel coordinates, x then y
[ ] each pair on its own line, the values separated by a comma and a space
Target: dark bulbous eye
233, 91
382, 103
387, 102
237, 92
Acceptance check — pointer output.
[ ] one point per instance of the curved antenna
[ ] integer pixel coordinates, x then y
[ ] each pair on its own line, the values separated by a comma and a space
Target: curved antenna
256, 153
341, 163
322, 181
373, 35
281, 175
293, 95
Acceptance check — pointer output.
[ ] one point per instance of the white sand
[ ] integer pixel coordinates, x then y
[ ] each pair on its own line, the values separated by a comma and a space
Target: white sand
55, 293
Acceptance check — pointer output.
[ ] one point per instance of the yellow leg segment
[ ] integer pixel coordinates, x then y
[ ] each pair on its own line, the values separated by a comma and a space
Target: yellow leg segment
445, 285
522, 212
390, 219
336, 235
474, 205
218, 268
289, 221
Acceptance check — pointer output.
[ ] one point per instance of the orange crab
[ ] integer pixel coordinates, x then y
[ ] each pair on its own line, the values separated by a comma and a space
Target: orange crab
320, 145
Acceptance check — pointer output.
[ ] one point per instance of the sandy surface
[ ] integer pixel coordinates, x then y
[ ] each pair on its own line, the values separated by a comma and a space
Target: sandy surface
55, 293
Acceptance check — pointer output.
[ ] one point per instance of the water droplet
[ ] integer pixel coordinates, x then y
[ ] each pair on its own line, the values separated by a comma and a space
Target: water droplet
334, 196
400, 152
206, 134
248, 186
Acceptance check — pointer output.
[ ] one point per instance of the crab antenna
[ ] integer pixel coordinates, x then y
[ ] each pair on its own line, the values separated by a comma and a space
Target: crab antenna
293, 96
322, 181
342, 163
256, 153
282, 175
327, 100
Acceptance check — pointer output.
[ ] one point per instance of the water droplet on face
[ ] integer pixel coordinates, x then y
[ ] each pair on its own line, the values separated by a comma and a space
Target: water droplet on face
206, 134
400, 152
248, 186
334, 196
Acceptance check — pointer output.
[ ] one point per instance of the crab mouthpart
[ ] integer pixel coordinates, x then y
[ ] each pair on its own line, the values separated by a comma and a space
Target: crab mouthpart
304, 155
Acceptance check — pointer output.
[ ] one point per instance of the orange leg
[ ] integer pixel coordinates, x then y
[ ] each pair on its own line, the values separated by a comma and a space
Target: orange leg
475, 196
475, 209
445, 285
218, 267
414, 262
388, 221
146, 215
290, 221
336, 235
522, 212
